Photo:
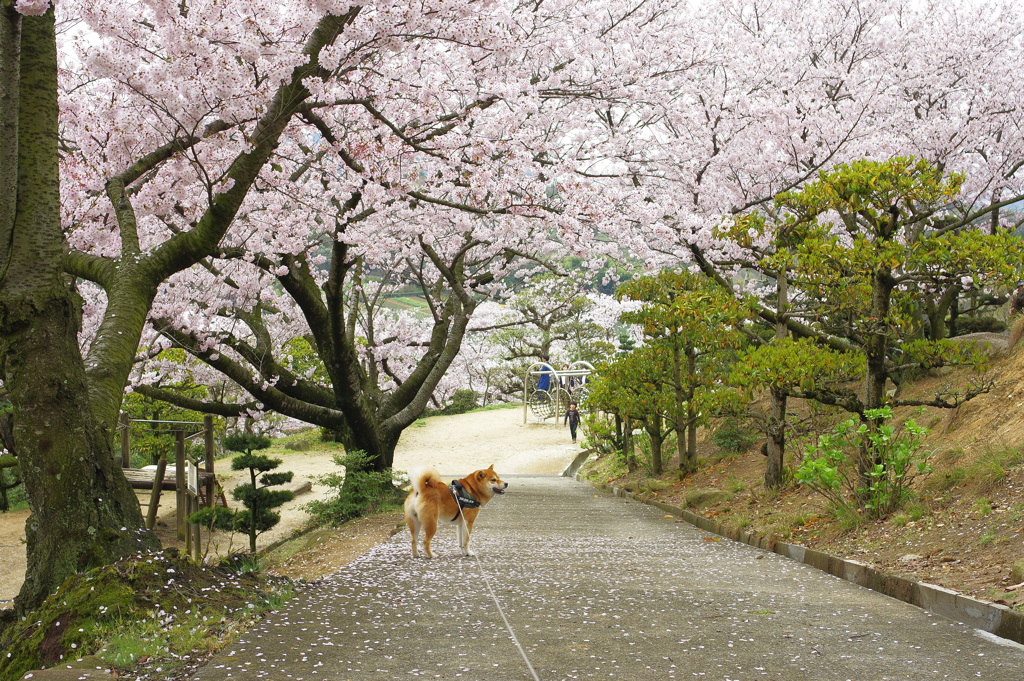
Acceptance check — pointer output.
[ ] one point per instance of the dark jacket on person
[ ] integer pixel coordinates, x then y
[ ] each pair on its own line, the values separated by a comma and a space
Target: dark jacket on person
572, 417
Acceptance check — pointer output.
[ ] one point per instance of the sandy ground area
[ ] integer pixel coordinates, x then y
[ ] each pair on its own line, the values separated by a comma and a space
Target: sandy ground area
454, 445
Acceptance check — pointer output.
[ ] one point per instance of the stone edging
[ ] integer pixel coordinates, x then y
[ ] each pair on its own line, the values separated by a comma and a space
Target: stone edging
991, 617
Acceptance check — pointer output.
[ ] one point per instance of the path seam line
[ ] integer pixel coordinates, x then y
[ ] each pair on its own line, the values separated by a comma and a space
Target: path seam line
504, 619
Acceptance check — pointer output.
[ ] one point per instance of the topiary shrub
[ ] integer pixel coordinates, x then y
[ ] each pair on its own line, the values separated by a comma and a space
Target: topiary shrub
258, 501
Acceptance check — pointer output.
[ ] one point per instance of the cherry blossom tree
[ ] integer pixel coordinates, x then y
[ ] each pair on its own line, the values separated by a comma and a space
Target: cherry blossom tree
451, 186
157, 157
713, 135
178, 118
83, 510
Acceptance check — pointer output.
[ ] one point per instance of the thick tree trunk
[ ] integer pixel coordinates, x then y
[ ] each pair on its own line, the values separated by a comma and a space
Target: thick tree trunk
686, 423
83, 512
627, 446
776, 445
654, 432
776, 432
876, 346
679, 417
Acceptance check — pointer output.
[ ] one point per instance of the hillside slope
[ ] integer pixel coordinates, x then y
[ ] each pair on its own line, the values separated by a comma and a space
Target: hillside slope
966, 532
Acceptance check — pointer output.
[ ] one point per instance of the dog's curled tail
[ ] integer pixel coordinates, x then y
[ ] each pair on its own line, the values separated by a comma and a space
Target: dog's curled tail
424, 477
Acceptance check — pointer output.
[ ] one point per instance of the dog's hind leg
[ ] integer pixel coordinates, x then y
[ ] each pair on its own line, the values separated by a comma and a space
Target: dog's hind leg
429, 530
414, 529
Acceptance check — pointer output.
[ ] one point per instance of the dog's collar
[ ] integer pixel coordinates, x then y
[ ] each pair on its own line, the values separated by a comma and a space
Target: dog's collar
462, 497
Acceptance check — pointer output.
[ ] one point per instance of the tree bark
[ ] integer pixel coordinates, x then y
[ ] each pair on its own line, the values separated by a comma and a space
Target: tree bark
653, 429
776, 444
776, 431
689, 464
83, 511
876, 346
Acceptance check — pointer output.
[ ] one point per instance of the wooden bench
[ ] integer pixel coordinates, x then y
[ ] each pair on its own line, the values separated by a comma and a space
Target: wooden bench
154, 480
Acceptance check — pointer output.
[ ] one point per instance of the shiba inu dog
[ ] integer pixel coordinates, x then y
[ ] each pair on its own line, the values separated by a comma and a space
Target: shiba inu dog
431, 501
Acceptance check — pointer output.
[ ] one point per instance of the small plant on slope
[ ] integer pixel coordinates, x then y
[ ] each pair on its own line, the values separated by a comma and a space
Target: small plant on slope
895, 458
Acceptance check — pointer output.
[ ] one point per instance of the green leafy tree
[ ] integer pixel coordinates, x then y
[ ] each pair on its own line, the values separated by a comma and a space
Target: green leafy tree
258, 501
851, 253
863, 267
632, 388
152, 439
694, 325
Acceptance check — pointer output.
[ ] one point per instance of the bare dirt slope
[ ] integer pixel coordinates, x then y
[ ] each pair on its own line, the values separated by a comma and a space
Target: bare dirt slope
455, 445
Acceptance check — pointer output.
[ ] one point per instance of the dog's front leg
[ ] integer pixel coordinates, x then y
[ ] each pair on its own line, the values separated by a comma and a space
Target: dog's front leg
462, 530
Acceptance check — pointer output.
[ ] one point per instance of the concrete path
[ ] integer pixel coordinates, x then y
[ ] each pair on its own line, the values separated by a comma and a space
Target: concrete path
571, 583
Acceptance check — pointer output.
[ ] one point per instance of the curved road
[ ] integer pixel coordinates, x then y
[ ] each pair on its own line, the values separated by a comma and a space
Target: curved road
575, 584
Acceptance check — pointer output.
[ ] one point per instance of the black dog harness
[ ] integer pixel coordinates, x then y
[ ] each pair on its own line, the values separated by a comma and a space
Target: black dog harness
463, 498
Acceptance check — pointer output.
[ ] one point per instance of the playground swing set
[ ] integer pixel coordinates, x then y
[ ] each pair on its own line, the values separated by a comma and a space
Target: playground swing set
547, 392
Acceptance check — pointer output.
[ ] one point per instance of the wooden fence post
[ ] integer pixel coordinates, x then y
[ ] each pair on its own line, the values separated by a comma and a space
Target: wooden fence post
211, 484
126, 453
179, 483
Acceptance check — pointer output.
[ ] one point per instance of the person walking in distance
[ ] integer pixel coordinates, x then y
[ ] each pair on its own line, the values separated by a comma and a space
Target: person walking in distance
572, 417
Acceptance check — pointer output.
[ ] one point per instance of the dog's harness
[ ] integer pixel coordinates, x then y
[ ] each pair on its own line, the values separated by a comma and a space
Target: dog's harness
463, 498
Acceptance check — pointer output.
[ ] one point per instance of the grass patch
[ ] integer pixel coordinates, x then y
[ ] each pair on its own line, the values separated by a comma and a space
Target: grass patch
942, 481
992, 468
912, 512
158, 609
989, 536
983, 505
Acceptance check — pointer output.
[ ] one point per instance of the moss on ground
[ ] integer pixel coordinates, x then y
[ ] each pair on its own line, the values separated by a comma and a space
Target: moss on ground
155, 600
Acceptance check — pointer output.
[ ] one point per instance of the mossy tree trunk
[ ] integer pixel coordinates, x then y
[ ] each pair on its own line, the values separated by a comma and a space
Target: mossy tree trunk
83, 511
65, 408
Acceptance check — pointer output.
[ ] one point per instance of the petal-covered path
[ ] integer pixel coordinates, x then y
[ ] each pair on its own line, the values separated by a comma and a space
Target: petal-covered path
575, 584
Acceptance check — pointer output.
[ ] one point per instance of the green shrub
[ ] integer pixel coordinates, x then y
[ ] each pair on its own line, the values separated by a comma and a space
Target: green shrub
735, 436
462, 401
831, 467
301, 442
11, 489
356, 492
967, 325
599, 434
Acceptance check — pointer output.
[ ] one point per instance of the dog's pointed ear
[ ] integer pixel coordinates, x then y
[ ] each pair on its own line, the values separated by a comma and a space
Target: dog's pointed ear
480, 475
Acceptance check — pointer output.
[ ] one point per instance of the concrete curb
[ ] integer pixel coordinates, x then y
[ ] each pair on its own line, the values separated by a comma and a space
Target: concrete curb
991, 617
572, 469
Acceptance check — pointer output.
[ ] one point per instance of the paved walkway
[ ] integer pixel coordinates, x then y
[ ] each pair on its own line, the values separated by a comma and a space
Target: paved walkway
571, 583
